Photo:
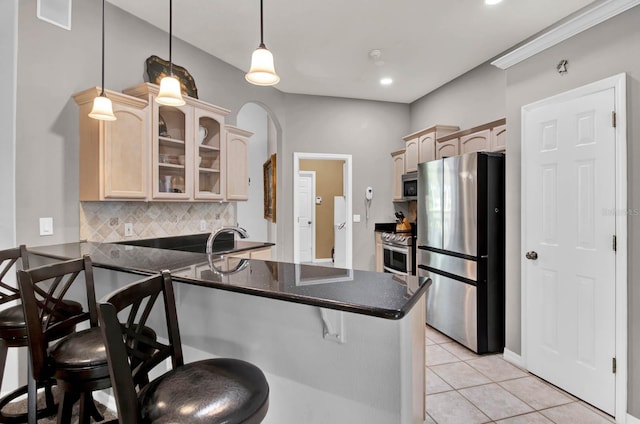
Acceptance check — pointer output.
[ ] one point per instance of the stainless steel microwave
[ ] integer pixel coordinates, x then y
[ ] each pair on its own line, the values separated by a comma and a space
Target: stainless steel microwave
410, 186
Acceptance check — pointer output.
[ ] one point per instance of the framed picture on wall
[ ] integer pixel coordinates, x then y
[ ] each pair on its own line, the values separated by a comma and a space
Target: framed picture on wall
269, 177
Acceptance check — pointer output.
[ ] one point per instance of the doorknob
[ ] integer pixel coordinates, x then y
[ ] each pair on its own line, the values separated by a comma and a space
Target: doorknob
309, 222
531, 255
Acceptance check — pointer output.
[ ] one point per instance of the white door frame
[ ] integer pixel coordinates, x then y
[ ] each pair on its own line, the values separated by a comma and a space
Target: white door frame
297, 156
618, 83
312, 174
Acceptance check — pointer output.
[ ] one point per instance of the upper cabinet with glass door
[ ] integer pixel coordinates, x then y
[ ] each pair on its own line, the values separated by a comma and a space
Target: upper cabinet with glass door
209, 175
186, 147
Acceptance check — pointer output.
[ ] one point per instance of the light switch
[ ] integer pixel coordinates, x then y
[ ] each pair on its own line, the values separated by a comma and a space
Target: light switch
356, 218
46, 226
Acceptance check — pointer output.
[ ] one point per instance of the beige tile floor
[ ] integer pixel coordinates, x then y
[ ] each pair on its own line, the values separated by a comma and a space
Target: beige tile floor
465, 388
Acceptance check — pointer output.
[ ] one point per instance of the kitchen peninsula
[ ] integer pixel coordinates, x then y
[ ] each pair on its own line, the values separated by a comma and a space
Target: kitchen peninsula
336, 345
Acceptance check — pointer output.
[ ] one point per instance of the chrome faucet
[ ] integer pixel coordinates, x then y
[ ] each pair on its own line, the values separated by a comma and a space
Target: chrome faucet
212, 237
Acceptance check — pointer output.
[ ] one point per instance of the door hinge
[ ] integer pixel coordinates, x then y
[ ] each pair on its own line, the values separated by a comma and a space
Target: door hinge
614, 243
613, 119
613, 365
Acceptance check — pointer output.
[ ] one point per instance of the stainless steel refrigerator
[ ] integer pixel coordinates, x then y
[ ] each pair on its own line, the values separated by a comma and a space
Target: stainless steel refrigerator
460, 246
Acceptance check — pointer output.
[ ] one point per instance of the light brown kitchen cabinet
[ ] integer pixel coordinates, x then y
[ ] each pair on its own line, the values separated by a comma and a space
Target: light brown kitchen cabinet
114, 161
421, 145
411, 154
398, 170
447, 148
486, 137
187, 148
476, 142
379, 252
237, 177
498, 140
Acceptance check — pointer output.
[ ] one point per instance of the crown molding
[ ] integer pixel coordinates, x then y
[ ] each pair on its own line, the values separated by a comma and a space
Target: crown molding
582, 21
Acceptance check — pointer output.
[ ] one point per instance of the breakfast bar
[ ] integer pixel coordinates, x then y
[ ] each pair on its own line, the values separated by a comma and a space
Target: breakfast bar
336, 345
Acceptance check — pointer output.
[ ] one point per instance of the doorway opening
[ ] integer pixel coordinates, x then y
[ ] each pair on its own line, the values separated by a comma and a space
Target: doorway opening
263, 143
332, 206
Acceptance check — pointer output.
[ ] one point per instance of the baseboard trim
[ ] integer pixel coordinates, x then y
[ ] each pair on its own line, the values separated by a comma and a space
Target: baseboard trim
632, 420
514, 358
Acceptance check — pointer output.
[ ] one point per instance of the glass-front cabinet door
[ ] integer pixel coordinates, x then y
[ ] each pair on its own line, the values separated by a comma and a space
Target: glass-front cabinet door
172, 152
209, 175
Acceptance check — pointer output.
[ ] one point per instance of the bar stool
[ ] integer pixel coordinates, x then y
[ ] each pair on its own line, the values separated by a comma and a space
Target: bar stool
210, 391
13, 333
75, 359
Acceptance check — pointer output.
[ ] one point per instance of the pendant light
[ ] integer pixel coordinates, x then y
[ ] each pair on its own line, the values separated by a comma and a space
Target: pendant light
170, 93
102, 108
262, 71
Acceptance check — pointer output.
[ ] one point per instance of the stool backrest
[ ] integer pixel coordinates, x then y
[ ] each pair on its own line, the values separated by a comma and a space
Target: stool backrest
49, 311
9, 258
132, 348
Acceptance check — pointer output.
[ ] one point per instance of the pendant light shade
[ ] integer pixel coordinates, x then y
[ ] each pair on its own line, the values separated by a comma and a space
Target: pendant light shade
170, 93
262, 71
102, 107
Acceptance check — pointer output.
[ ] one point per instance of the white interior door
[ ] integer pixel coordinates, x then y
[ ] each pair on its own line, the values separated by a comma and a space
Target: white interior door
306, 214
569, 263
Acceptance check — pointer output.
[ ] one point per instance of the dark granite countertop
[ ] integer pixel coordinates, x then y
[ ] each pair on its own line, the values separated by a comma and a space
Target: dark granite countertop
364, 292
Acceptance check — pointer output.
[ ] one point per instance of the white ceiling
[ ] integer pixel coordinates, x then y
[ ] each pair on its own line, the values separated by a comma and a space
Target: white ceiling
322, 47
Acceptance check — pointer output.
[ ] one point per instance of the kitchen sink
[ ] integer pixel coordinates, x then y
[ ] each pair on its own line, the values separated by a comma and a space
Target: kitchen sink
188, 243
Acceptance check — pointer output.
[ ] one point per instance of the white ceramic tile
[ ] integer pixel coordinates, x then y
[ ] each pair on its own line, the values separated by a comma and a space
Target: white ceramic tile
453, 408
496, 368
573, 413
532, 418
459, 375
436, 355
535, 392
460, 351
495, 402
435, 384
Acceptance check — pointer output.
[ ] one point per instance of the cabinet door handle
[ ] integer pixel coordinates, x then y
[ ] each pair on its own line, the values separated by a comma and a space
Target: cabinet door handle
531, 255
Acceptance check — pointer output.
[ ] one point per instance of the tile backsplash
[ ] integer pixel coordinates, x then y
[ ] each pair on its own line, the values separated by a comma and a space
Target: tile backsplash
104, 221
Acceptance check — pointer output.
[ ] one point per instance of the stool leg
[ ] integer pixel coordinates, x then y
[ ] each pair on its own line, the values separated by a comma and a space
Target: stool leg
32, 396
68, 399
3, 359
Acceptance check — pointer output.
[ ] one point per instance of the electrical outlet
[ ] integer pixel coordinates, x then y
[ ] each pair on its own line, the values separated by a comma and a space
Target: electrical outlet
128, 229
46, 226
203, 225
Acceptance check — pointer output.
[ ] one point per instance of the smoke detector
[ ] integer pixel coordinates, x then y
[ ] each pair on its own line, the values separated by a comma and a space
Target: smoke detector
376, 56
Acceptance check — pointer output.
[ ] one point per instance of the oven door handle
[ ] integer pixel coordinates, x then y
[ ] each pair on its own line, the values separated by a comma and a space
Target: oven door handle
398, 249
393, 271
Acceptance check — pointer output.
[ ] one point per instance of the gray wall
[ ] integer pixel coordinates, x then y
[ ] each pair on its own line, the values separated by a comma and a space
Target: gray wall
474, 98
367, 130
605, 50
487, 93
8, 47
47, 120
54, 63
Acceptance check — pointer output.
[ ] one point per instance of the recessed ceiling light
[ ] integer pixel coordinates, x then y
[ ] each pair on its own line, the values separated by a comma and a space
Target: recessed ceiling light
386, 81
492, 2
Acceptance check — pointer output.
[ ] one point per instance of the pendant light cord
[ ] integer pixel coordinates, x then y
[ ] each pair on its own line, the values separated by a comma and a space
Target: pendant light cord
102, 89
261, 28
170, 36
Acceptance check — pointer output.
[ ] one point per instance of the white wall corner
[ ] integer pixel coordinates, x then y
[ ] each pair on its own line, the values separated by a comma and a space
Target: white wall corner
514, 359
583, 20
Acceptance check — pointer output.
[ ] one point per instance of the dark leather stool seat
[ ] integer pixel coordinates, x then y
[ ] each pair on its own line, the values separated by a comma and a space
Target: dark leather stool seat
80, 350
212, 391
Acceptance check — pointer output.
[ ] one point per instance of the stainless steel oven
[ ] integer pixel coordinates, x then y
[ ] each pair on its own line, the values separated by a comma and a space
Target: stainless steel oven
397, 249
